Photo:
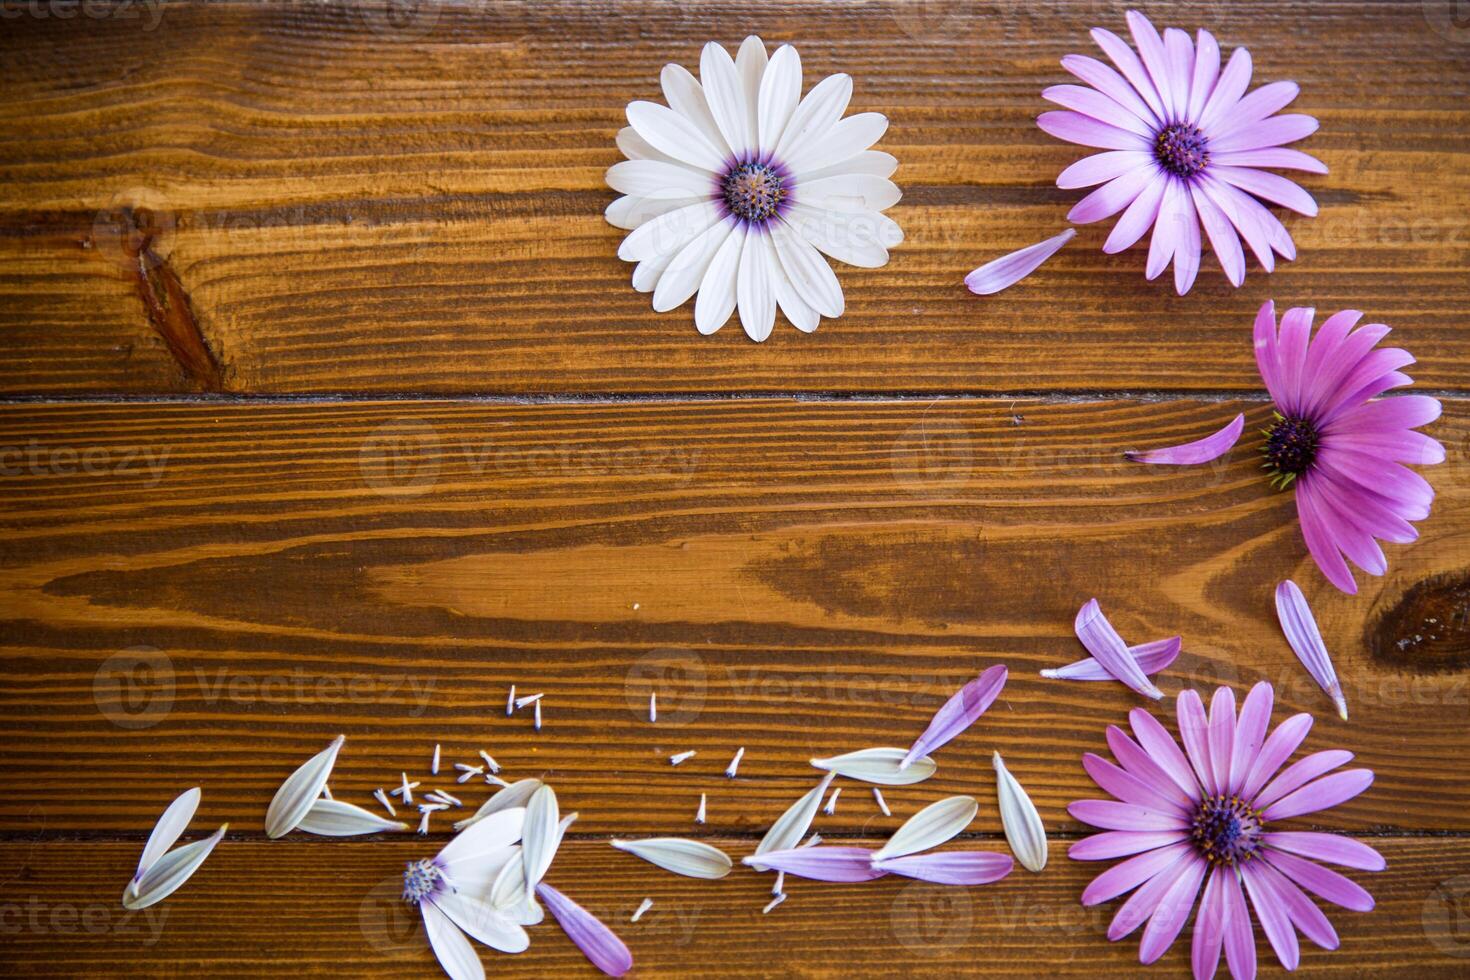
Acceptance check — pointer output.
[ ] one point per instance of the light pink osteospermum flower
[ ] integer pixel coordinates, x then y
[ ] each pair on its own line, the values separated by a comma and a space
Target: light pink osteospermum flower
1334, 440
1183, 143
1207, 816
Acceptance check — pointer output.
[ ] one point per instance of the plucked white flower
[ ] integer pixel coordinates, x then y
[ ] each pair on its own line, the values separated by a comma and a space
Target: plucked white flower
737, 187
160, 871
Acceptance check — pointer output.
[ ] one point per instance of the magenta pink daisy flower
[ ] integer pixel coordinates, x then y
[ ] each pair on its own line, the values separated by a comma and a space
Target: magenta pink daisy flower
1332, 439
1206, 817
1183, 146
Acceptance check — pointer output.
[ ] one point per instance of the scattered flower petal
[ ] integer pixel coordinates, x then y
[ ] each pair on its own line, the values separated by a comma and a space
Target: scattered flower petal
791, 826
643, 906
950, 867
1204, 450
936, 823
845, 864
1301, 631
957, 714
169, 872
541, 835
517, 794
597, 942
1151, 657
690, 858
1104, 643
881, 765
334, 818
1018, 816
166, 832
302, 789
997, 274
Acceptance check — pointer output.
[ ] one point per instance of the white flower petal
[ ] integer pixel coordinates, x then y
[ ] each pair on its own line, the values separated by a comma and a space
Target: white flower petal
723, 92
879, 765
691, 858
810, 275
174, 822
750, 65
453, 950
846, 139
801, 314
654, 178
635, 147
541, 837
815, 114
874, 162
630, 210
476, 875
301, 790
685, 96
791, 826
930, 827
851, 237
482, 922
754, 291
716, 300
687, 269
1018, 816
780, 90
517, 794
646, 274
487, 835
850, 192
169, 872
674, 135
669, 232
335, 818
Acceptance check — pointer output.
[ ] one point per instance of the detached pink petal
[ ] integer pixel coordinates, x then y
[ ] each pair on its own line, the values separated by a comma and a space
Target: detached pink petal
1204, 450
1302, 633
951, 867
596, 941
1008, 270
843, 864
1104, 643
1151, 657
958, 713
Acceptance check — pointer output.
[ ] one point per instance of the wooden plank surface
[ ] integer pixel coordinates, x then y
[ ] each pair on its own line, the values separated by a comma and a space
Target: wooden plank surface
332, 909
332, 203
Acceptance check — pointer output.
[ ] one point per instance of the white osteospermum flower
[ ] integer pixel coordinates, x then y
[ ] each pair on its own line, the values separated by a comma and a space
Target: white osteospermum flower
736, 188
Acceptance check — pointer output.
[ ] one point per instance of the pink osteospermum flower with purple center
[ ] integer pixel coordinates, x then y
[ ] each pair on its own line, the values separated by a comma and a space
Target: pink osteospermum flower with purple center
1206, 817
1183, 144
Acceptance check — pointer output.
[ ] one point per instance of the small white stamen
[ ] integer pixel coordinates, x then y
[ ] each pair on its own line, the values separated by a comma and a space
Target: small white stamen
495, 780
528, 699
434, 768
882, 803
446, 795
489, 761
383, 799
653, 706
431, 807
510, 700
405, 791
779, 888
679, 757
699, 817
424, 822
813, 840
643, 906
538, 714
734, 765
831, 806
781, 897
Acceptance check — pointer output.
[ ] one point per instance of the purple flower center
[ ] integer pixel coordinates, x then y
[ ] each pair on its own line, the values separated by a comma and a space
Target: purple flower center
1226, 830
1182, 149
753, 191
420, 880
1291, 449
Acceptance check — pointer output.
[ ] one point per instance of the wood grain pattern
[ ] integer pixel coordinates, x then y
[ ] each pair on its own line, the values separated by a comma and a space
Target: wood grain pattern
333, 909
800, 578
352, 203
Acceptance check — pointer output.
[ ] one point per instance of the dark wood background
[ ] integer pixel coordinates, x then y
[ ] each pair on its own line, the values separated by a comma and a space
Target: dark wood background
326, 407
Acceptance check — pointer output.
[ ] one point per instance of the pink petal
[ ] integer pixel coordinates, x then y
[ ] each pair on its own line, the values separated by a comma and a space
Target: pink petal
1128, 787
1301, 632
1272, 156
1142, 766
1194, 731
1109, 83
1271, 187
1112, 815
1206, 70
844, 864
1151, 50
1151, 657
1271, 911
1127, 61
1173, 911
596, 941
1221, 736
1121, 843
1008, 270
1208, 930
1335, 848
1144, 902
958, 713
1224, 239
1169, 229
1115, 195
1102, 167
1240, 940
1187, 252
1139, 216
1092, 103
1104, 643
1227, 91
1165, 751
1264, 101
1074, 127
1321, 541
1279, 746
1270, 132
1204, 450
1322, 882
1389, 414
1250, 734
1302, 911
951, 867
1325, 793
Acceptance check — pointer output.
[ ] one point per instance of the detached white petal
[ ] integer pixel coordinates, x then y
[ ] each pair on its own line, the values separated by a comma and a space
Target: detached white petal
882, 765
791, 826
517, 794
298, 793
334, 818
166, 832
691, 858
1018, 816
170, 871
930, 827
541, 836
